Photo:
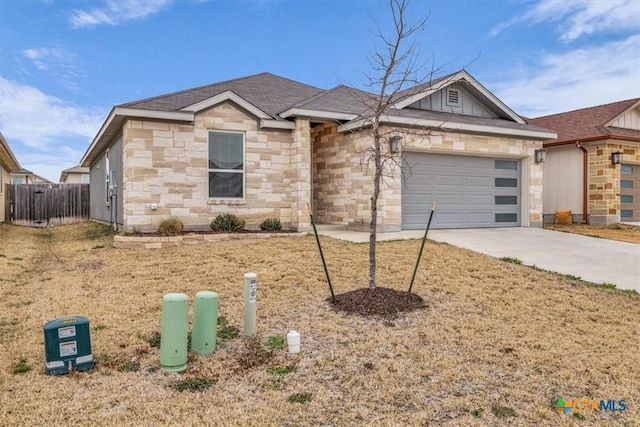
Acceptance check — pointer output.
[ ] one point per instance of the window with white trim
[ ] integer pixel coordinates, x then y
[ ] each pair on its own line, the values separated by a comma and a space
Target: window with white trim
226, 165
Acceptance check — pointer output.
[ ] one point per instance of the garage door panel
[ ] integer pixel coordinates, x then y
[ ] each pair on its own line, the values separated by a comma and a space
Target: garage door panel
465, 189
630, 193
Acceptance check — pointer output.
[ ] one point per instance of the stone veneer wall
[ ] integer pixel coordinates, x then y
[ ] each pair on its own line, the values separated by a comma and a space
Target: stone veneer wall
604, 179
167, 164
342, 188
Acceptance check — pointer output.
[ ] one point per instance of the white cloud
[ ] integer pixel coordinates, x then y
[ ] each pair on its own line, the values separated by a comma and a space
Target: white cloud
579, 18
41, 121
575, 79
61, 64
117, 11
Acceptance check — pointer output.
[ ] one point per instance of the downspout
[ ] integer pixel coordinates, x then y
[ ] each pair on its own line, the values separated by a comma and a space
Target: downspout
585, 164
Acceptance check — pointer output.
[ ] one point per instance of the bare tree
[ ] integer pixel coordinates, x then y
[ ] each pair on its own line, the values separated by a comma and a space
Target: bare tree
394, 67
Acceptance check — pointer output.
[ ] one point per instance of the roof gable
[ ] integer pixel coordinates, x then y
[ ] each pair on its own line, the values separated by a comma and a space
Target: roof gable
462, 78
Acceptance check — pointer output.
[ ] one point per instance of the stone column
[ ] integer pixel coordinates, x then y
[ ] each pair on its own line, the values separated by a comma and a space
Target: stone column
604, 186
301, 165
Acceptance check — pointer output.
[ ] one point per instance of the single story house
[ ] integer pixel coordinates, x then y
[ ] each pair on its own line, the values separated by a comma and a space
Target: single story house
75, 175
265, 146
592, 168
8, 164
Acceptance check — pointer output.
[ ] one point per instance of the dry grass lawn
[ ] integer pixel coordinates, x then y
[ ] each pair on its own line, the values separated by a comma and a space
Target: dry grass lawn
621, 232
496, 345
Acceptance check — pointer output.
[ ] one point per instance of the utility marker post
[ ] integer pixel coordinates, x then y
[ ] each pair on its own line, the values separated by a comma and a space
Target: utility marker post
250, 296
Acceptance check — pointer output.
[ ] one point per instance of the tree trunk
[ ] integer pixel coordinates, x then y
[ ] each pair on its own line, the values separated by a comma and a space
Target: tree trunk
374, 205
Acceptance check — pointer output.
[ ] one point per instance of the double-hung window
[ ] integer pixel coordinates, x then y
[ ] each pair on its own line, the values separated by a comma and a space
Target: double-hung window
226, 165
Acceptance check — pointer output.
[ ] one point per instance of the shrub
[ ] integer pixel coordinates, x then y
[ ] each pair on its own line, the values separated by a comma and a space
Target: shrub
227, 222
271, 224
170, 227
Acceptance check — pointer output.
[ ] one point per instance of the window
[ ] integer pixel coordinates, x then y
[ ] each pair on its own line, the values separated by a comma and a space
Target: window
626, 169
506, 164
626, 184
626, 198
506, 217
85, 178
506, 182
226, 165
626, 213
506, 200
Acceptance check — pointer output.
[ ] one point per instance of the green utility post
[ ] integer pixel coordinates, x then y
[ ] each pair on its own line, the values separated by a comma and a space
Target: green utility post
205, 322
250, 290
174, 332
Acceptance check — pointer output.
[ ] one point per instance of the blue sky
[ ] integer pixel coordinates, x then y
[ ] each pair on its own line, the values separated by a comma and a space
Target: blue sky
65, 63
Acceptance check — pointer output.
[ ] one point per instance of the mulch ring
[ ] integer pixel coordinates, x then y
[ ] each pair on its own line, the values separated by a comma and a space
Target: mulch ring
384, 302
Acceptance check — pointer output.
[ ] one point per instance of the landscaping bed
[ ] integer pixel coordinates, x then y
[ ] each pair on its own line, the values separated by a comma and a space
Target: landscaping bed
156, 241
489, 343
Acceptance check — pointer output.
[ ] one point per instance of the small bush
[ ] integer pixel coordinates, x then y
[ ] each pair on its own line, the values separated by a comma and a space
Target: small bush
512, 260
170, 227
271, 224
227, 222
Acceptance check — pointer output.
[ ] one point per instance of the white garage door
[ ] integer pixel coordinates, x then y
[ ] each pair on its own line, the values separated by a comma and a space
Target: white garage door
471, 192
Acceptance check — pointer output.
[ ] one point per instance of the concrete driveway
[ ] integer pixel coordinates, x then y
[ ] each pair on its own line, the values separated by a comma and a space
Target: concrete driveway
590, 258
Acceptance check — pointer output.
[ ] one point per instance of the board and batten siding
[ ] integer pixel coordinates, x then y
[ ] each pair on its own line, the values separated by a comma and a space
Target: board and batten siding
562, 178
453, 99
103, 207
629, 120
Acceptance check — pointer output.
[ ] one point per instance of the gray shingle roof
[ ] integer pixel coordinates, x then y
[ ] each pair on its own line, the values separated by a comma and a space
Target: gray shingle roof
340, 99
270, 93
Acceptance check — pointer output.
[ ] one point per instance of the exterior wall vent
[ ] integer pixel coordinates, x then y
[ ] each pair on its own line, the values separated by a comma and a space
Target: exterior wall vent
453, 97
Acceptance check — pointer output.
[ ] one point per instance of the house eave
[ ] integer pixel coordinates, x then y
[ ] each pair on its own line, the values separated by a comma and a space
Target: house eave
317, 114
451, 126
276, 124
590, 139
112, 127
226, 96
7, 158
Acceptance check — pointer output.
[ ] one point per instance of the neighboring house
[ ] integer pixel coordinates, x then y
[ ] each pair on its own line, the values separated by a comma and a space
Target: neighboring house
264, 146
24, 176
593, 167
8, 164
75, 175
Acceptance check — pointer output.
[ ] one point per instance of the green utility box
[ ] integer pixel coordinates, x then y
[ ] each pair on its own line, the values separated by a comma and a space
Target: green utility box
67, 345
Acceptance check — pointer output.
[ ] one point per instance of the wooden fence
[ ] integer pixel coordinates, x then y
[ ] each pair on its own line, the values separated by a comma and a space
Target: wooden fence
45, 205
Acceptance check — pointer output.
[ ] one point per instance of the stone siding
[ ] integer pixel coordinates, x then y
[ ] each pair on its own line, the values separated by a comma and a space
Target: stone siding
166, 166
604, 180
342, 187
